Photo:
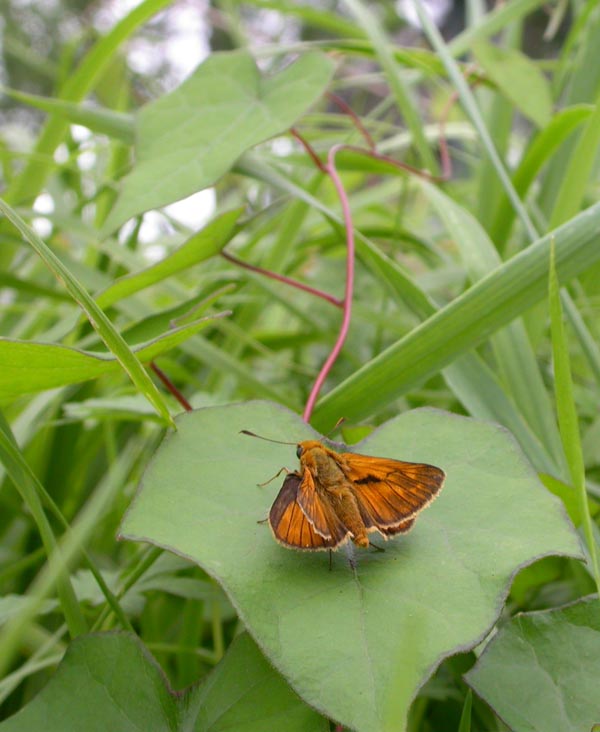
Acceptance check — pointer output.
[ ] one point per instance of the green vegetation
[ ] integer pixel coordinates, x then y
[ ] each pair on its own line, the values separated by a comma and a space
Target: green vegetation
449, 312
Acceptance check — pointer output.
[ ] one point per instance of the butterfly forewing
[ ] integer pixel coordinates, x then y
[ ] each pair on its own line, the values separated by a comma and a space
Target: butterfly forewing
389, 492
318, 511
290, 524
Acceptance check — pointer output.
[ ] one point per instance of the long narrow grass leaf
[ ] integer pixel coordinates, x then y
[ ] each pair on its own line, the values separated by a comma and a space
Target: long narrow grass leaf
567, 413
467, 321
27, 485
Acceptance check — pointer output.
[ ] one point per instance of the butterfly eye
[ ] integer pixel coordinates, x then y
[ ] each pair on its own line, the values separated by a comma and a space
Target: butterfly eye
299, 451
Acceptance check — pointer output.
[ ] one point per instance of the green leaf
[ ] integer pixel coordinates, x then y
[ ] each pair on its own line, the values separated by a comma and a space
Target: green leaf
518, 79
356, 646
105, 121
578, 171
109, 681
200, 246
540, 672
492, 302
541, 150
568, 420
29, 367
188, 139
513, 352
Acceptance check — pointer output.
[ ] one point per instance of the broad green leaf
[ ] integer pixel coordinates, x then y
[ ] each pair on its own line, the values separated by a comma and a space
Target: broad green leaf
540, 672
494, 301
110, 682
28, 367
519, 79
356, 646
200, 246
188, 139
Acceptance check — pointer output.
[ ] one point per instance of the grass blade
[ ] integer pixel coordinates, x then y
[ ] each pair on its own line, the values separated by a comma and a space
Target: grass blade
567, 414
467, 321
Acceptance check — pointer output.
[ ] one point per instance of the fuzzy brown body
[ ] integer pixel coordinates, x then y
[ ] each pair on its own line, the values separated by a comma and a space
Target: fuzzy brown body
341, 496
333, 487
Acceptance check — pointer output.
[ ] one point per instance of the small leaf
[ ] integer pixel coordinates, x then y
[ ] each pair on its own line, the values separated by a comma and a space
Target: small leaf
110, 682
519, 80
188, 139
355, 646
201, 246
540, 672
29, 367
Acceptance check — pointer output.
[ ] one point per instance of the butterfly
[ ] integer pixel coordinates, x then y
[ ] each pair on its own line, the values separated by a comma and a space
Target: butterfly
335, 497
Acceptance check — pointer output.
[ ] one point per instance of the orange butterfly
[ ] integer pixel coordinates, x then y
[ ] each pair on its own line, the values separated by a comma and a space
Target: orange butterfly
341, 496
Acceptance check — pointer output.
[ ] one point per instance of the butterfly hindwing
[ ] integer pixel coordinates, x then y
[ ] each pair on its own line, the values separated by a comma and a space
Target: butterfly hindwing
290, 524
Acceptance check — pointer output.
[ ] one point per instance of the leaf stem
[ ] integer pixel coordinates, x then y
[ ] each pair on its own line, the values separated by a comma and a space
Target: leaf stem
349, 291
286, 280
170, 386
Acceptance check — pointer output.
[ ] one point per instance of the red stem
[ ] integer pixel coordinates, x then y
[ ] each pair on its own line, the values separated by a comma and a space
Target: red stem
333, 174
354, 117
171, 387
287, 280
309, 149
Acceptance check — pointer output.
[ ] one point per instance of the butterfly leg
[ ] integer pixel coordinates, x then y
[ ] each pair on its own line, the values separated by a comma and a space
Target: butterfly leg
283, 470
377, 548
330, 560
349, 548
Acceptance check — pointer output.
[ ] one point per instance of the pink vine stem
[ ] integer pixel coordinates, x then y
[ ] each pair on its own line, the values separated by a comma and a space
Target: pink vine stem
331, 171
282, 278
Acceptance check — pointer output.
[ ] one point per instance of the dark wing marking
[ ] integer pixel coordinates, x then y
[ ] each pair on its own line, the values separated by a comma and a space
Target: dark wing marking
389, 492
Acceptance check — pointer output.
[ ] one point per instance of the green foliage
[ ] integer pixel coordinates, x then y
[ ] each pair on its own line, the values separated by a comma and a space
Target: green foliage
382, 625
120, 686
457, 305
541, 671
182, 147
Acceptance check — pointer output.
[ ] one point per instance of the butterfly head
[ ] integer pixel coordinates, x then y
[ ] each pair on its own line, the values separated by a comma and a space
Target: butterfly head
302, 448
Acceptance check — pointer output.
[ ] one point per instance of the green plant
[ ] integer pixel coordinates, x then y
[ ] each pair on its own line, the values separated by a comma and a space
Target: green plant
333, 279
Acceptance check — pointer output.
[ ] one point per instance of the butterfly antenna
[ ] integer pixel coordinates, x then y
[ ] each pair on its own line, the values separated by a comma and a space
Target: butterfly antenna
268, 439
335, 426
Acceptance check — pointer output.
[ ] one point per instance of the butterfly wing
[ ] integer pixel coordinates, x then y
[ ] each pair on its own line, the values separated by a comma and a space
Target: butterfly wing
390, 492
317, 510
402, 528
290, 524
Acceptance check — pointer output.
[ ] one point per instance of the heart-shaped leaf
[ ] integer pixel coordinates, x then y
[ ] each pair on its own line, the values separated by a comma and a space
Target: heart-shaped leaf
110, 682
188, 139
356, 646
541, 673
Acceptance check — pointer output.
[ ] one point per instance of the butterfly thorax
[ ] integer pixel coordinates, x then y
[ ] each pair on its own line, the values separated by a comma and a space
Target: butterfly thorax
333, 486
